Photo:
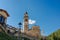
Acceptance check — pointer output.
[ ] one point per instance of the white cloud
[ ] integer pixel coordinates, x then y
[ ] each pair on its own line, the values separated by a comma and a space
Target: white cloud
32, 21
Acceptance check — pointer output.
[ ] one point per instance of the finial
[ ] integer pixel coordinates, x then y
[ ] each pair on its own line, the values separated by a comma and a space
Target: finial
26, 12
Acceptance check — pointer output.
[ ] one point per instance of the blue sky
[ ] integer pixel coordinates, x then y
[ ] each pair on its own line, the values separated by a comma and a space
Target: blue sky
46, 13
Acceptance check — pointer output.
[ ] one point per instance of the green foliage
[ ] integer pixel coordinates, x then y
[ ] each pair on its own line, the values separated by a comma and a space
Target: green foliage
4, 36
26, 39
54, 36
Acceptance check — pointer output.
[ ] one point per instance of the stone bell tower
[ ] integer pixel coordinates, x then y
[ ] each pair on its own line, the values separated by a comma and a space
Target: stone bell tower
26, 22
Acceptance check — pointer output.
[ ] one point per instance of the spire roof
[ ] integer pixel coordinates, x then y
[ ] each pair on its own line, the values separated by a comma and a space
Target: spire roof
26, 14
4, 11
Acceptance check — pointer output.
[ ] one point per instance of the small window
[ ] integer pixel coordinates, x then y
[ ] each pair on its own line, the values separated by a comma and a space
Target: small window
2, 19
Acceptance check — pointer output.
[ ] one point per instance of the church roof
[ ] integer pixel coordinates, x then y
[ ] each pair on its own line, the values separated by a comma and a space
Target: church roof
4, 11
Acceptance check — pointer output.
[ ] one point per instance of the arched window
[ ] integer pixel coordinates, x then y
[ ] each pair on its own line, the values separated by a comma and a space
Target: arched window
26, 19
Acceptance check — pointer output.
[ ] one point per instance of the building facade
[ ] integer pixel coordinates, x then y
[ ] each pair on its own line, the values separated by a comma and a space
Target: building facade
32, 34
34, 31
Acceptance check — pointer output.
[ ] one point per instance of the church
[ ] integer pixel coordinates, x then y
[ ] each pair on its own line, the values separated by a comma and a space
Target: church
31, 34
